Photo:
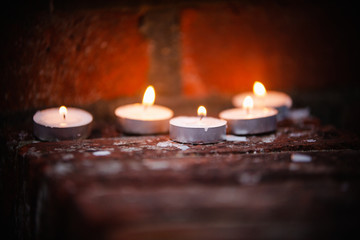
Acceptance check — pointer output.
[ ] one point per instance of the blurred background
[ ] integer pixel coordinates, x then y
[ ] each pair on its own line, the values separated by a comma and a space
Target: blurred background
99, 54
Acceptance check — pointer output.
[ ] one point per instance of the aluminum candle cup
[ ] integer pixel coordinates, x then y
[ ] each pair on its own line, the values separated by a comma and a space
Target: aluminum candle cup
256, 121
49, 125
272, 99
196, 131
141, 120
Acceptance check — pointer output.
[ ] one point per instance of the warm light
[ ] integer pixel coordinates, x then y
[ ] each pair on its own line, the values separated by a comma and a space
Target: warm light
63, 111
201, 112
149, 96
259, 89
248, 103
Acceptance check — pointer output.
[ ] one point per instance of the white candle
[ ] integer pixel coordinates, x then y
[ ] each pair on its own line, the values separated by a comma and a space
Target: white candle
197, 130
144, 118
56, 124
262, 98
248, 120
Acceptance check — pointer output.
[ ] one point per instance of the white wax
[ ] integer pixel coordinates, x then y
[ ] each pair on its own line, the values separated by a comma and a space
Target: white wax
50, 117
271, 99
195, 122
241, 113
138, 112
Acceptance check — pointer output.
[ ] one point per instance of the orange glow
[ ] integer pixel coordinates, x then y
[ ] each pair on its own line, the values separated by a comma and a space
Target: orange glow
259, 89
149, 96
63, 111
201, 111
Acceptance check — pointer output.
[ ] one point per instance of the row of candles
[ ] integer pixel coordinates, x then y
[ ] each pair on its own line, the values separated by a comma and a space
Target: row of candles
254, 113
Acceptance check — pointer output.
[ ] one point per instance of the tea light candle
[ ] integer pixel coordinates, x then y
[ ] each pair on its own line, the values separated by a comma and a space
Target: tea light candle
249, 120
197, 130
56, 124
262, 98
145, 118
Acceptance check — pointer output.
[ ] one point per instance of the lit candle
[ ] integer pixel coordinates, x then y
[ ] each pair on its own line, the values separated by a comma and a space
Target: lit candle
262, 98
249, 120
248, 104
56, 124
197, 130
144, 118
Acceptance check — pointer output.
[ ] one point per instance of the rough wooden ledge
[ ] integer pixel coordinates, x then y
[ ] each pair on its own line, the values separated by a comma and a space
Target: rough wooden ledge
148, 187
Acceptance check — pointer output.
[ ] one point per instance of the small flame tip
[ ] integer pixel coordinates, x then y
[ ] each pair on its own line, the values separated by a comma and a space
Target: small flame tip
201, 112
149, 96
259, 89
63, 111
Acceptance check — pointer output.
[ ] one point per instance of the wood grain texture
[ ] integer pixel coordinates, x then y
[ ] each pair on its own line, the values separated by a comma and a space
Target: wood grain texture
148, 187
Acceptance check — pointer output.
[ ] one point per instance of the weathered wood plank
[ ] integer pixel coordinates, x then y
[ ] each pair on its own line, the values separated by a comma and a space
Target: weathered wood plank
148, 187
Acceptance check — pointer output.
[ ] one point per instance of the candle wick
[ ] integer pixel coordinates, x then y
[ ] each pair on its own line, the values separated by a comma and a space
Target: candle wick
201, 117
64, 116
247, 110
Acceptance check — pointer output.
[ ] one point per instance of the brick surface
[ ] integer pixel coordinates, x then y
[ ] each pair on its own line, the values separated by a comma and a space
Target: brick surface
74, 58
226, 47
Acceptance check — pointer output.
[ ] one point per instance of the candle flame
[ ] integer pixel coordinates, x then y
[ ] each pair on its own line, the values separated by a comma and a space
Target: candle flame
149, 96
63, 112
248, 104
201, 112
259, 89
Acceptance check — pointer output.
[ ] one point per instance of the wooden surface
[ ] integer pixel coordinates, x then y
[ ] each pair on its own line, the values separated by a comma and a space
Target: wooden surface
148, 187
